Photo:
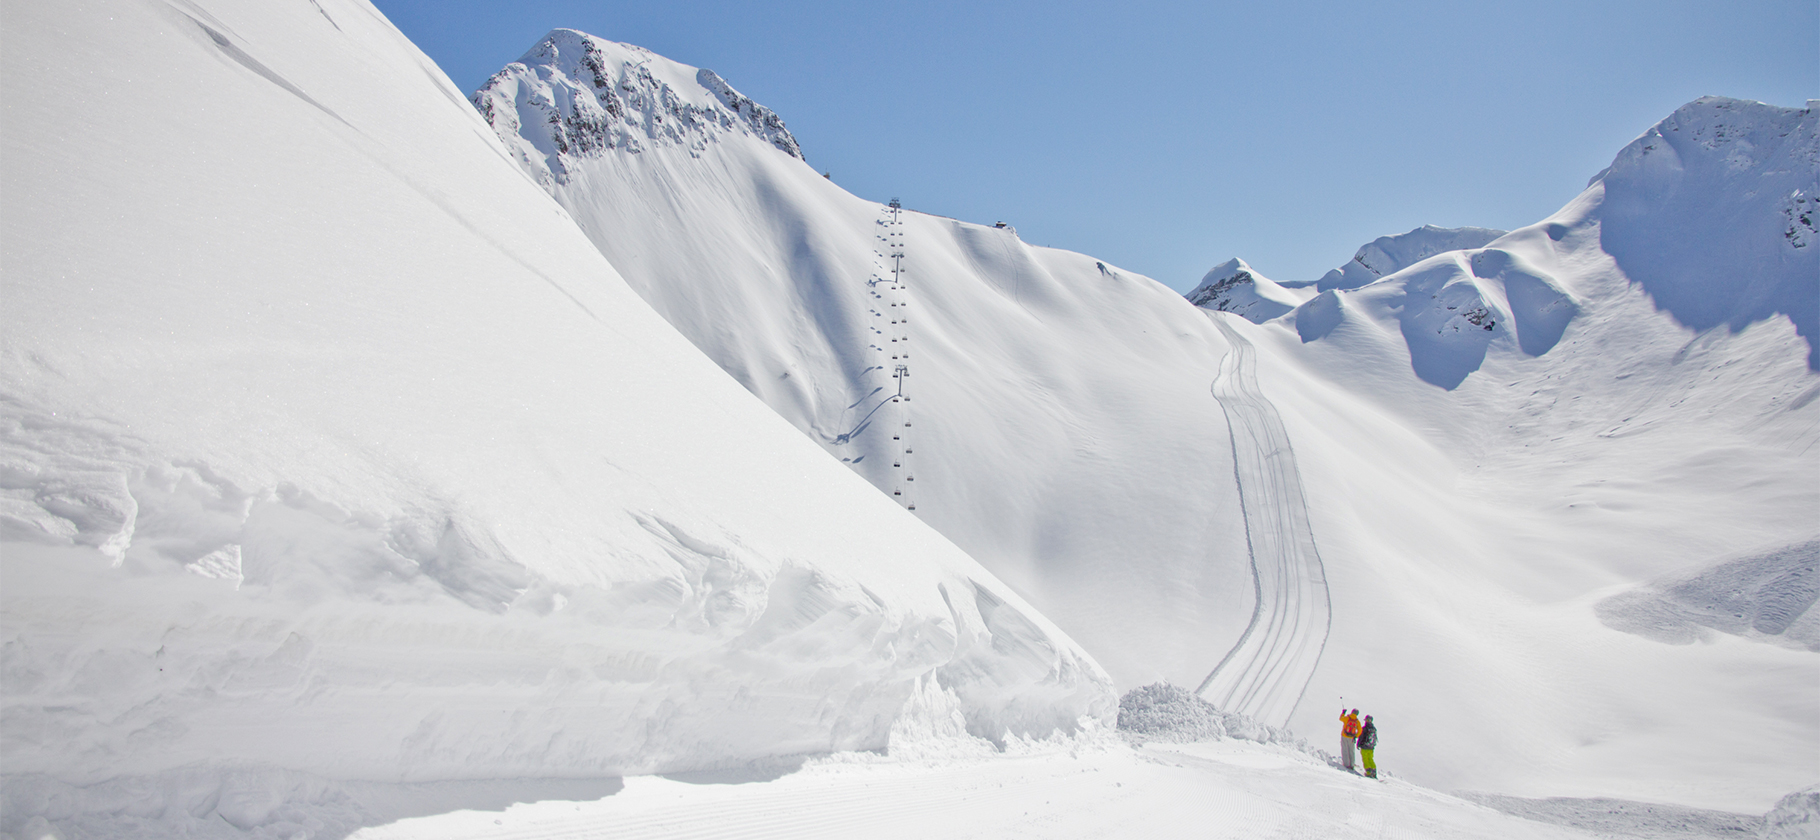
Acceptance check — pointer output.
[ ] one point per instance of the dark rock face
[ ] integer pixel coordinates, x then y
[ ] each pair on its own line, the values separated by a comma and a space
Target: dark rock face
1219, 295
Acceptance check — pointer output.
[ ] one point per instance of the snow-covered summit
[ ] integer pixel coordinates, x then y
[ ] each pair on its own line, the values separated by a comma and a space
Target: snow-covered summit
574, 95
1234, 286
1711, 212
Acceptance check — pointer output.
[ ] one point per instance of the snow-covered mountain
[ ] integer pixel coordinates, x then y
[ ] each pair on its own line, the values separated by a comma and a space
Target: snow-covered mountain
1053, 398
333, 451
1234, 286
1500, 442
1472, 438
337, 455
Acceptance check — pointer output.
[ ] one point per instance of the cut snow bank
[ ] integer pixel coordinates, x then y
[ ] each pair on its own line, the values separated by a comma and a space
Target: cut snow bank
330, 447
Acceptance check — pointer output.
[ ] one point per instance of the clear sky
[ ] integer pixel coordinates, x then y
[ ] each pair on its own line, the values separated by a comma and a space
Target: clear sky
1165, 137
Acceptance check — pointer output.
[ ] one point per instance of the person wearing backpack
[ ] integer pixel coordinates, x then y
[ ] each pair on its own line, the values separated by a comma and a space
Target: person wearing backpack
1368, 741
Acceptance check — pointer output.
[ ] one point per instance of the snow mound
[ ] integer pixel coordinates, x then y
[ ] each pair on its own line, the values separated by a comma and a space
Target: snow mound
1233, 286
1388, 255
575, 96
1768, 595
1170, 713
1795, 817
1712, 213
1164, 712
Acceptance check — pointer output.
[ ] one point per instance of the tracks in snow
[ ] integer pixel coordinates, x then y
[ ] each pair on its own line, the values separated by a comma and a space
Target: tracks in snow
1265, 674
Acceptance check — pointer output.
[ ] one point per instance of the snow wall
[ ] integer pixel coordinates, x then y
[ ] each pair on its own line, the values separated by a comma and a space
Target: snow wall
330, 446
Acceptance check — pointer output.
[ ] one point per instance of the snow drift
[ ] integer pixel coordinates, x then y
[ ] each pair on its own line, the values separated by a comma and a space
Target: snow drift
331, 447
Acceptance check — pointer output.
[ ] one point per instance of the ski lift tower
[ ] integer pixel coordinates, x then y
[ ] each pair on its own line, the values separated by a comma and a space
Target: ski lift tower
900, 342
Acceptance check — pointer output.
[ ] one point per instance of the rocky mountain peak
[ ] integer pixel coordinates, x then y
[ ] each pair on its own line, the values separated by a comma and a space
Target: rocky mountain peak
575, 96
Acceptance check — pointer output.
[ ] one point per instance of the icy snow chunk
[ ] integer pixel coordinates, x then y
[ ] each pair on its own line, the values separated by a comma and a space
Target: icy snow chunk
223, 563
1795, 817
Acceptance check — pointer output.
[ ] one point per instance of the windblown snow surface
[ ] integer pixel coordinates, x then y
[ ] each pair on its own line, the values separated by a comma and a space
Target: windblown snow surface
349, 489
1494, 431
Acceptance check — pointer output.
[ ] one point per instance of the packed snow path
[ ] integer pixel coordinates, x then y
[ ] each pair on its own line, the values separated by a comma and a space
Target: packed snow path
1264, 675
1223, 789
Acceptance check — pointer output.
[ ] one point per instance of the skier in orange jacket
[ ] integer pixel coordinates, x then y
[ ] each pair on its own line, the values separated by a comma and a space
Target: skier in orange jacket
1349, 732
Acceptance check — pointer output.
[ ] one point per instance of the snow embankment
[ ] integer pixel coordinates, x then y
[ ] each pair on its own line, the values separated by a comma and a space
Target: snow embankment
331, 450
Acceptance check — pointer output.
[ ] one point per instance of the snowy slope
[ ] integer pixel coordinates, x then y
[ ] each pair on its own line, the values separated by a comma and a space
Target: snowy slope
1501, 440
332, 450
1063, 428
1227, 789
1064, 435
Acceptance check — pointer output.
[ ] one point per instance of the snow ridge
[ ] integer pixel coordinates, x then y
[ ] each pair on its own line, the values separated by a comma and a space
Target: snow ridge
576, 96
1388, 255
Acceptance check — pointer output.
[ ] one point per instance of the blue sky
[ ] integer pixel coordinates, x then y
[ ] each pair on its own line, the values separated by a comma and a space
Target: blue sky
1167, 137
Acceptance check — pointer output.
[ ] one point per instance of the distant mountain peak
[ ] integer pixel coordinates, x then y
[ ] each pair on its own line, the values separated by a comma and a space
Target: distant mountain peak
575, 96
1234, 286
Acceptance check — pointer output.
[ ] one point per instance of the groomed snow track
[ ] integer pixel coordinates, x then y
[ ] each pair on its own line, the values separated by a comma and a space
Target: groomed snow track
1265, 674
